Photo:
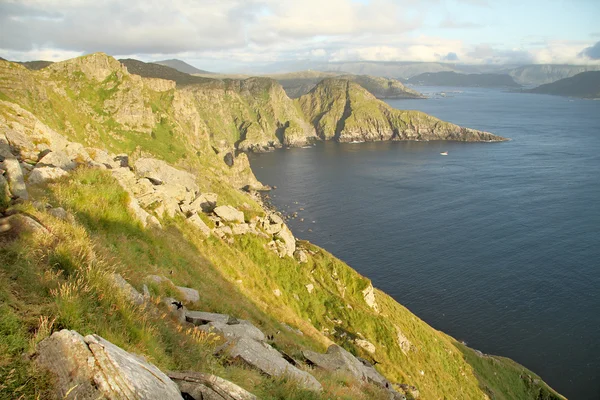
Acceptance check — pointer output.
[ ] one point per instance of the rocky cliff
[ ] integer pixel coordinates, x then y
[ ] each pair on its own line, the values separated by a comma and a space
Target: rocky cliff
342, 110
122, 219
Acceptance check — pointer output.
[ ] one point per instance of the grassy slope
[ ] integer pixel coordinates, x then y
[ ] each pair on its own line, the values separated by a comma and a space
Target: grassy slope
63, 278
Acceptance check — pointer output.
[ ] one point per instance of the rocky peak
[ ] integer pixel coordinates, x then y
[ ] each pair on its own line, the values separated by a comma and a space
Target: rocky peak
96, 66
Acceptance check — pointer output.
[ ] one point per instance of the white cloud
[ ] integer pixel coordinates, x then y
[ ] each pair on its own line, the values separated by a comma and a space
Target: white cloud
237, 32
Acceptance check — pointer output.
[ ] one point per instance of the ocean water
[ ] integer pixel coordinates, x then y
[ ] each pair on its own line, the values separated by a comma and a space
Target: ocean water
496, 244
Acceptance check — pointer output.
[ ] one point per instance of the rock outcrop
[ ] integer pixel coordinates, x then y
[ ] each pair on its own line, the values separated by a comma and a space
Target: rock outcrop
91, 368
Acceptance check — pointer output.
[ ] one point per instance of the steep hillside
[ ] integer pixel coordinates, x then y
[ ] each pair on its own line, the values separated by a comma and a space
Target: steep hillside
106, 172
585, 85
342, 110
466, 80
182, 66
297, 84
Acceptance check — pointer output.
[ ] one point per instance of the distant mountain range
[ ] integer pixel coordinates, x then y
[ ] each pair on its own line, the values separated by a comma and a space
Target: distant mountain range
527, 75
297, 84
584, 85
182, 66
153, 70
449, 78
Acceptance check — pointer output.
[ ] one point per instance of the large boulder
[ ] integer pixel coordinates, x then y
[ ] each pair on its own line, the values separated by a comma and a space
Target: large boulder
161, 172
92, 368
229, 214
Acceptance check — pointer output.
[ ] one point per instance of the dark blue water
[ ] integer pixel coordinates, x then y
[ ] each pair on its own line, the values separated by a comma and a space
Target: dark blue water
497, 244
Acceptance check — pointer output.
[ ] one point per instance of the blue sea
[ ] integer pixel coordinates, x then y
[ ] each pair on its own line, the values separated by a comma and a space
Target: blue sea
496, 244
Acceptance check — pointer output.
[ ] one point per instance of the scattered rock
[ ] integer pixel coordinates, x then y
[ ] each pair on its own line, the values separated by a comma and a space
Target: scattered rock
128, 290
277, 292
205, 202
241, 229
310, 287
288, 239
301, 256
92, 368
369, 295
403, 342
365, 344
14, 176
159, 170
200, 386
198, 223
269, 361
122, 160
410, 390
60, 213
44, 174
243, 329
18, 223
57, 159
229, 214
190, 295
202, 318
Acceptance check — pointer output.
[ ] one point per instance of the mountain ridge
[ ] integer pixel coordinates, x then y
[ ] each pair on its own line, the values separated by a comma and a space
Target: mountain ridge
585, 85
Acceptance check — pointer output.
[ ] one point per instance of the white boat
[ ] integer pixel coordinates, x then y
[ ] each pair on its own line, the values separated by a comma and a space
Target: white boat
356, 141
444, 153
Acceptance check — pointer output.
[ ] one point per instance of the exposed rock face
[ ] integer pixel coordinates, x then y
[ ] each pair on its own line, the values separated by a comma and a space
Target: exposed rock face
198, 223
21, 223
403, 342
92, 368
369, 295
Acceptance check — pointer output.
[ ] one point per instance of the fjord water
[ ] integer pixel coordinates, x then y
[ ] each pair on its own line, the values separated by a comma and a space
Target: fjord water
496, 244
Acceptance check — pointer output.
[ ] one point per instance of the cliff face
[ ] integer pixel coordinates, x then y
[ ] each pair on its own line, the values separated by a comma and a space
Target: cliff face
169, 205
344, 111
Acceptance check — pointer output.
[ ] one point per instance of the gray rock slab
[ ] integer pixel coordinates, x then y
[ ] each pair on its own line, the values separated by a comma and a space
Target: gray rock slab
93, 368
195, 383
244, 329
129, 376
269, 361
202, 318
336, 359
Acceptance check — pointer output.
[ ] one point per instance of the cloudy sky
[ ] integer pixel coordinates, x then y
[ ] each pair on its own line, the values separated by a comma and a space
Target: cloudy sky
228, 35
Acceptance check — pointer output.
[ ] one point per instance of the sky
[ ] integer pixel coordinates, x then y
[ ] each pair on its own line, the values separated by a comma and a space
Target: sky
234, 35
